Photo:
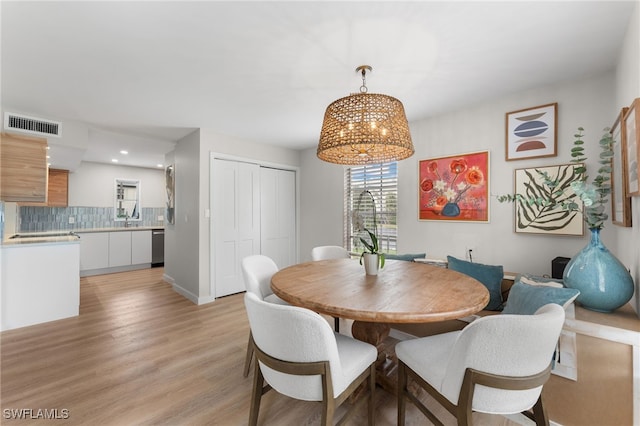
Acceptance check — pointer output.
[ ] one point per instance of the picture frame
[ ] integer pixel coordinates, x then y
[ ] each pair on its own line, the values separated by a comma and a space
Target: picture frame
531, 218
631, 123
170, 186
454, 188
531, 132
620, 200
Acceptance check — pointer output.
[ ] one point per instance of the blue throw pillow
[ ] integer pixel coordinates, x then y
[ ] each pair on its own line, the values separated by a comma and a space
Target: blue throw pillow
526, 299
489, 275
407, 257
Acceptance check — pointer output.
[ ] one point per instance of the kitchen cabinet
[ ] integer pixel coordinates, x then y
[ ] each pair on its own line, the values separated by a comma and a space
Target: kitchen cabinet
94, 250
40, 283
114, 251
119, 248
140, 247
24, 173
57, 191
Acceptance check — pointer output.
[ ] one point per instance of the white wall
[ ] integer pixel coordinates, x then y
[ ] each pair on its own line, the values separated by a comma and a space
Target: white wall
182, 238
93, 185
588, 103
187, 243
627, 247
321, 207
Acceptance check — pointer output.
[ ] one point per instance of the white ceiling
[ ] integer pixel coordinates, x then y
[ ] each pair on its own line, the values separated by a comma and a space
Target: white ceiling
144, 74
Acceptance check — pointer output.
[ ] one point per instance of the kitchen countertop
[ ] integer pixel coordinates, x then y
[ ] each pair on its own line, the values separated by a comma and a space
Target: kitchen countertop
65, 236
120, 228
42, 238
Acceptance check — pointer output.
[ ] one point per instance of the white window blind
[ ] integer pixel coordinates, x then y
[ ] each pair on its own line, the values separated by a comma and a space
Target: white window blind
362, 185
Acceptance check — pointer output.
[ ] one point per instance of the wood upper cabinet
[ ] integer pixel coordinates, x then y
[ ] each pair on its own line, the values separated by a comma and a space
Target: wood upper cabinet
58, 188
23, 161
58, 191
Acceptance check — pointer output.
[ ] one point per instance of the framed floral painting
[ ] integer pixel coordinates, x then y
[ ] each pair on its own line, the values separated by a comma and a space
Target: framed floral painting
455, 188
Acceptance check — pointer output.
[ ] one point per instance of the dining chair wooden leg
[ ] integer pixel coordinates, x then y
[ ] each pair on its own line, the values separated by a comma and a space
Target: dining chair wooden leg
256, 395
539, 413
247, 361
402, 388
336, 324
372, 388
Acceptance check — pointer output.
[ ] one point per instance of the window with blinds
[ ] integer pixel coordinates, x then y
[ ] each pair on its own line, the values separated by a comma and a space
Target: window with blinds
364, 186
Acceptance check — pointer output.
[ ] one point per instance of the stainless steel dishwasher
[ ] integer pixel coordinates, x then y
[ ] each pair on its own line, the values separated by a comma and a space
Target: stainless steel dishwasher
157, 247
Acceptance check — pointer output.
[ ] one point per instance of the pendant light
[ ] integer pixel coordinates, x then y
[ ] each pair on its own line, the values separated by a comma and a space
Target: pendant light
365, 128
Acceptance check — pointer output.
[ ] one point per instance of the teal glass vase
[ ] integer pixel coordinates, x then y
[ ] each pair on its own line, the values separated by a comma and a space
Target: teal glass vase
604, 283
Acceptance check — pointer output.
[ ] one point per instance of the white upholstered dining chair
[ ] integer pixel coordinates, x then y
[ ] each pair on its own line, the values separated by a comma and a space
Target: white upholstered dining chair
330, 252
257, 271
299, 356
497, 364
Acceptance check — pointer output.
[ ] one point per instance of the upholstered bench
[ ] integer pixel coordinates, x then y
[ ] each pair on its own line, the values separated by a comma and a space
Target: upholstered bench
529, 293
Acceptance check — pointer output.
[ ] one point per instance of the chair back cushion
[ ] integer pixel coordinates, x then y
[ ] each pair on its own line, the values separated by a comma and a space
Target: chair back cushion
409, 257
527, 296
489, 275
329, 252
293, 334
506, 345
257, 271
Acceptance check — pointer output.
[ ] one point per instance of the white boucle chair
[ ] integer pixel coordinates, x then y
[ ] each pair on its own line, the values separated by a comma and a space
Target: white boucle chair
299, 356
257, 271
507, 356
330, 252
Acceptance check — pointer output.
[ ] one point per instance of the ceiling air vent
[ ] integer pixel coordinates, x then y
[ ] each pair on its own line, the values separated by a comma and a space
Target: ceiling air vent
32, 125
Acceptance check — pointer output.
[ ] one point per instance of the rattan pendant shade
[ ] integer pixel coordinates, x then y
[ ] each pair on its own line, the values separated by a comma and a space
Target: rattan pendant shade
365, 128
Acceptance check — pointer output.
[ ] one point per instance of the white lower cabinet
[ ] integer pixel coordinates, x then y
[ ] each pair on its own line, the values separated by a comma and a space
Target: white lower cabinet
140, 247
94, 250
119, 248
102, 252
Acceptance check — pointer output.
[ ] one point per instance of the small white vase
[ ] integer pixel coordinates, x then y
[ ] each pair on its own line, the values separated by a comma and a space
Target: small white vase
371, 263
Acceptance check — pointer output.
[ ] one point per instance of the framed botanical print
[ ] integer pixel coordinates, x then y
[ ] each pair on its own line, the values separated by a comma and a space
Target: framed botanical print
630, 122
620, 200
455, 188
549, 219
531, 132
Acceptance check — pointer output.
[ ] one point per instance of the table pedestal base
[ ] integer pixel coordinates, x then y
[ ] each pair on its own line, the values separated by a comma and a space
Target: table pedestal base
377, 334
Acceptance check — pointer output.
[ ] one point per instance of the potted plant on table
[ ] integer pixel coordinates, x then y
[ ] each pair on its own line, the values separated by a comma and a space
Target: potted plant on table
373, 258
604, 282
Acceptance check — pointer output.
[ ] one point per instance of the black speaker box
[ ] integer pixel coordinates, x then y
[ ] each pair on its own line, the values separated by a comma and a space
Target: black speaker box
557, 266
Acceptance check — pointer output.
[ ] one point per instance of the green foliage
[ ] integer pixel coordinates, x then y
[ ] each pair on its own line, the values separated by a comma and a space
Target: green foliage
372, 248
551, 201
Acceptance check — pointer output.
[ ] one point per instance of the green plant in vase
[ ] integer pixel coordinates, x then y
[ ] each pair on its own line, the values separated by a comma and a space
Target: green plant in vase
372, 248
605, 284
572, 192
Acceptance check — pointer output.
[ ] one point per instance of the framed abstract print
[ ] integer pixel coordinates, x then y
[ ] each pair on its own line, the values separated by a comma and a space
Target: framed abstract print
620, 200
531, 133
455, 188
630, 122
546, 219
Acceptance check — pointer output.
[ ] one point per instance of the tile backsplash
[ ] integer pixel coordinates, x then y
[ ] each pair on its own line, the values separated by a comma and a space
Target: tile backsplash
40, 219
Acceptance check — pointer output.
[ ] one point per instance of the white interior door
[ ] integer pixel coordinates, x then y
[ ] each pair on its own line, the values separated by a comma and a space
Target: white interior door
236, 221
278, 215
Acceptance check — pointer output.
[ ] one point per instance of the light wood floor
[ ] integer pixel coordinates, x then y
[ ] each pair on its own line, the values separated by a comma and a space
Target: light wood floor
141, 354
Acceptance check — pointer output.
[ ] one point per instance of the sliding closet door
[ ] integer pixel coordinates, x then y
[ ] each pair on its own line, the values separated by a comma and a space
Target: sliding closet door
278, 215
236, 221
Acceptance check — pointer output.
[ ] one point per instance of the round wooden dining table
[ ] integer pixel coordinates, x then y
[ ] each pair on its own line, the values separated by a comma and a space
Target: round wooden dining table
402, 292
